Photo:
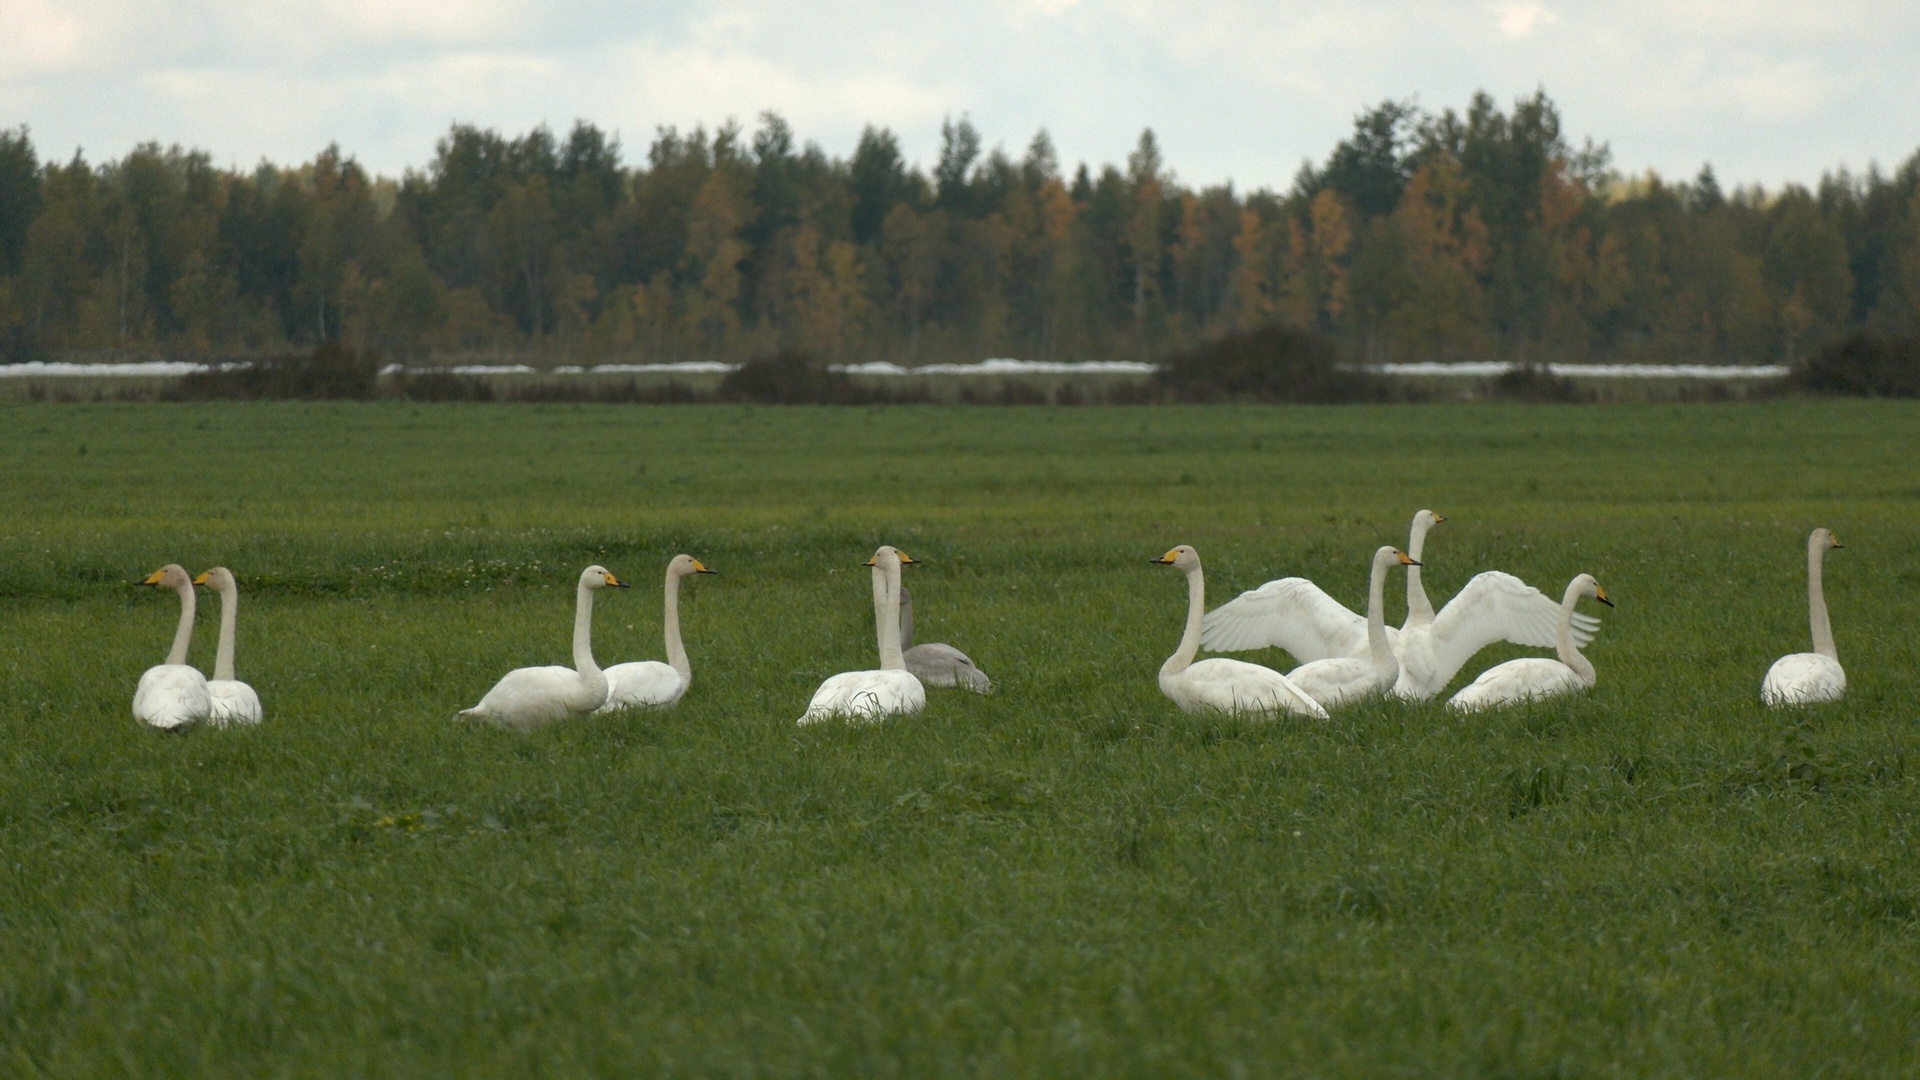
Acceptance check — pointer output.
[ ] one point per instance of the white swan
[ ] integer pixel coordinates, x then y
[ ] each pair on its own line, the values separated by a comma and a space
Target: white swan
234, 702
650, 684
1804, 678
892, 689
1218, 684
529, 697
1340, 679
172, 695
937, 663
1537, 676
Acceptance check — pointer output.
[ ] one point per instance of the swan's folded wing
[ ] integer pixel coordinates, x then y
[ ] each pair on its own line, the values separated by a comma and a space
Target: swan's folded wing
1500, 607
1291, 613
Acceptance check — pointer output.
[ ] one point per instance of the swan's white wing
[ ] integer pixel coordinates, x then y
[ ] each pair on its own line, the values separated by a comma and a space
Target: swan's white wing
1803, 678
866, 695
526, 697
1524, 679
643, 684
1499, 607
1291, 613
234, 702
171, 696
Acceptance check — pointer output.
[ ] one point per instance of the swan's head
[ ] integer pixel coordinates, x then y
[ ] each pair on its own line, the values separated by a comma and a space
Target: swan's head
1427, 519
1822, 539
889, 553
599, 577
1389, 555
682, 565
170, 576
1586, 586
1183, 557
219, 579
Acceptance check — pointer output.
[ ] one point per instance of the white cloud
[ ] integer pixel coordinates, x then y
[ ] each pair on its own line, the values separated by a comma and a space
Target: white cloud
1240, 89
1521, 20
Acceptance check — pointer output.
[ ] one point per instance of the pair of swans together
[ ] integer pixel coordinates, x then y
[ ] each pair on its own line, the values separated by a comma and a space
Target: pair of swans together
532, 696
174, 695
1345, 657
898, 686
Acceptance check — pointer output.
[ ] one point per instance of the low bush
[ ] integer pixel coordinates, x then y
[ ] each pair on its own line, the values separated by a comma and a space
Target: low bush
330, 372
791, 377
1864, 365
1272, 363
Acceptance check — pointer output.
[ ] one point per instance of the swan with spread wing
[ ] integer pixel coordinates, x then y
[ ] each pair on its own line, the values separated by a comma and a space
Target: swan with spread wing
1296, 615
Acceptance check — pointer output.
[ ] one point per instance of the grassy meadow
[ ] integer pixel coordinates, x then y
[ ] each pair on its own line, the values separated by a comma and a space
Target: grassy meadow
1068, 877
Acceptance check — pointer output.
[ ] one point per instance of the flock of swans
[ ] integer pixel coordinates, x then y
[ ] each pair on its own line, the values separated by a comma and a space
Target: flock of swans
1343, 657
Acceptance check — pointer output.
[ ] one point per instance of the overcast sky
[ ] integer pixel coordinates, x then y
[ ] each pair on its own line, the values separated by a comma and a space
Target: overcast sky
1240, 90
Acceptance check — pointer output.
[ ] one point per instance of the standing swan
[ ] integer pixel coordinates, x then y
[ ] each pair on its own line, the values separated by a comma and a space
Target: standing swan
172, 695
937, 663
531, 696
234, 702
890, 690
1537, 676
1807, 677
1218, 684
1338, 680
650, 684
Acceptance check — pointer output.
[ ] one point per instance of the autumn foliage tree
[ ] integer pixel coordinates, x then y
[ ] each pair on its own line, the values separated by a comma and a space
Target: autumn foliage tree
1482, 233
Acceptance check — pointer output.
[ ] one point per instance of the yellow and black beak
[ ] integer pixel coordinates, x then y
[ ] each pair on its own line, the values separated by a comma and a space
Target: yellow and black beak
1165, 560
616, 582
202, 579
1600, 594
905, 559
701, 568
1438, 518
1837, 543
1404, 561
153, 578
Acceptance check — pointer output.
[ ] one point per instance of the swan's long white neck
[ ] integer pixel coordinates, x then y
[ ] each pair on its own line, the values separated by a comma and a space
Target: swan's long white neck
1817, 601
886, 614
1419, 608
1377, 618
1189, 648
583, 631
906, 619
229, 606
676, 652
183, 636
1563, 635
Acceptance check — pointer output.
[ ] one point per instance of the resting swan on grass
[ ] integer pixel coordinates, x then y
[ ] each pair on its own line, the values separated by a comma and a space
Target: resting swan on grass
1804, 678
1218, 684
172, 696
528, 697
891, 690
1536, 676
650, 684
1337, 680
234, 702
937, 663
1296, 615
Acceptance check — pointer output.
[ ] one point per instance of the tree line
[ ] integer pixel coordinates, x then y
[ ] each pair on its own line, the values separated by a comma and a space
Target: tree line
1422, 236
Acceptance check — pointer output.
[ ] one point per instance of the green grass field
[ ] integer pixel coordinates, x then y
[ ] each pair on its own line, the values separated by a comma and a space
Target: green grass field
1069, 877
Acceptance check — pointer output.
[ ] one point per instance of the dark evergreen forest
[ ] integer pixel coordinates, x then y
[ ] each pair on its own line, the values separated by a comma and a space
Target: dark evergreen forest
1423, 235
